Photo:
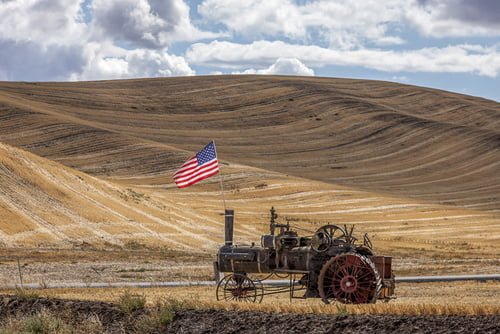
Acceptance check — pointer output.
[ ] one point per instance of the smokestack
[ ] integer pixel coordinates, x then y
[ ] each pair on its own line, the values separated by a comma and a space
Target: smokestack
229, 215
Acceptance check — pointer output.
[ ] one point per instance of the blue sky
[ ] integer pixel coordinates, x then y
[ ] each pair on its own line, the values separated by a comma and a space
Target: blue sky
446, 44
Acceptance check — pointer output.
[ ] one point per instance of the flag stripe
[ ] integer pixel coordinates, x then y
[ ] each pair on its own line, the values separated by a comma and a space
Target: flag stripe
200, 172
194, 171
187, 165
197, 179
202, 165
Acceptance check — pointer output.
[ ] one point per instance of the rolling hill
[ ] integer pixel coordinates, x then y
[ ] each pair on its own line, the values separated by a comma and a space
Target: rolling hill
92, 161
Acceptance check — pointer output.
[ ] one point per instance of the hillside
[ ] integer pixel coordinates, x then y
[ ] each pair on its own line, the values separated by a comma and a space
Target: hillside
43, 203
413, 165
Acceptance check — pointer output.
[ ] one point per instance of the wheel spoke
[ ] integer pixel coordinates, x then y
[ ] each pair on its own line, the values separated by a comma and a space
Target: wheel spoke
360, 298
366, 274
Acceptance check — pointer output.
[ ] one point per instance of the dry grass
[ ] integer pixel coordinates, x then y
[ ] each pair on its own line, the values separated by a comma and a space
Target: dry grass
400, 309
466, 298
58, 202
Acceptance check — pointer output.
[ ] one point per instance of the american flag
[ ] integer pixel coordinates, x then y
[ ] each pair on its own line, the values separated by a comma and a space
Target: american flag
204, 164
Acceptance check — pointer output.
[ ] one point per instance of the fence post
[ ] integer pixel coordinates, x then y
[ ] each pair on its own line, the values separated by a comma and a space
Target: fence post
20, 272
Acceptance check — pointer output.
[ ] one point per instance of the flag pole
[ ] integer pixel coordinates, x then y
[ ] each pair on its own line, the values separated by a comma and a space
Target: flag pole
221, 178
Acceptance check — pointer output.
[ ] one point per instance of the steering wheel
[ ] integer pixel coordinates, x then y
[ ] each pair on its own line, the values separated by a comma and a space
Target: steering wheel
321, 241
325, 236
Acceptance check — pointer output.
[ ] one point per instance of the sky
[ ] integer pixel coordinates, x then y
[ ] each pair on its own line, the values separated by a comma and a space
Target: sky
446, 44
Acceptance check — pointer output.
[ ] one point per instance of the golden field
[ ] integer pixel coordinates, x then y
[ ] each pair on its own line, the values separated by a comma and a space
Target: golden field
89, 166
87, 193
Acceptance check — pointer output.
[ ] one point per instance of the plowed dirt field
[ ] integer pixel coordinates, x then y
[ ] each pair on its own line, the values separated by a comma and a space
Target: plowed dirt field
219, 321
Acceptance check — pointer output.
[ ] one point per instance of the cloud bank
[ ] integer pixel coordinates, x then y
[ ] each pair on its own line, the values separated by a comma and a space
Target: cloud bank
50, 40
342, 24
110, 39
455, 59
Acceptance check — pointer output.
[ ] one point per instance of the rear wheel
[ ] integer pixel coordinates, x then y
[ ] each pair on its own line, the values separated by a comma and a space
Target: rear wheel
349, 278
239, 288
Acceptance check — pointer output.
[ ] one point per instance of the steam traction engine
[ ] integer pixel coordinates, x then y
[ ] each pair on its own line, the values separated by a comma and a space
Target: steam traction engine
331, 264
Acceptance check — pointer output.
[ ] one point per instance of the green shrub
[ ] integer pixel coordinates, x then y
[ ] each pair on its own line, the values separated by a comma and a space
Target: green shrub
158, 317
44, 323
130, 303
342, 310
26, 294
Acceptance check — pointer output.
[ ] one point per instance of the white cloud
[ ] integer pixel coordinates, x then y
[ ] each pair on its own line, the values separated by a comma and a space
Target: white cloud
42, 21
40, 39
283, 66
44, 40
455, 18
456, 59
401, 78
255, 17
149, 63
146, 23
351, 24
340, 24
110, 62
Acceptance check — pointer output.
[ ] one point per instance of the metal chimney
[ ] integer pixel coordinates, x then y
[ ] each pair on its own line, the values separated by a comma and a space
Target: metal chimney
229, 219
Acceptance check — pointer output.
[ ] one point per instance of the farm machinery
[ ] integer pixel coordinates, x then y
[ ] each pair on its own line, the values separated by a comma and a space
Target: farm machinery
331, 264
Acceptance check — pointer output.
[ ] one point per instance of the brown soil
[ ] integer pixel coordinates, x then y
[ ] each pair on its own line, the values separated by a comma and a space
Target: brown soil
220, 321
216, 321
110, 315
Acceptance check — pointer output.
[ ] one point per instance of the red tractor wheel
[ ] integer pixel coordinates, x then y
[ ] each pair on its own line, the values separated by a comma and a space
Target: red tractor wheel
349, 278
239, 288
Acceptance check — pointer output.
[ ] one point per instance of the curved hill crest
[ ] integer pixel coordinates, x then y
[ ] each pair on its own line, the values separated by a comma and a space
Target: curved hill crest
354, 151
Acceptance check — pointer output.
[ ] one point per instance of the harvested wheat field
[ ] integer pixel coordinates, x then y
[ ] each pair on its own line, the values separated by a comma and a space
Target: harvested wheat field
87, 192
404, 162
